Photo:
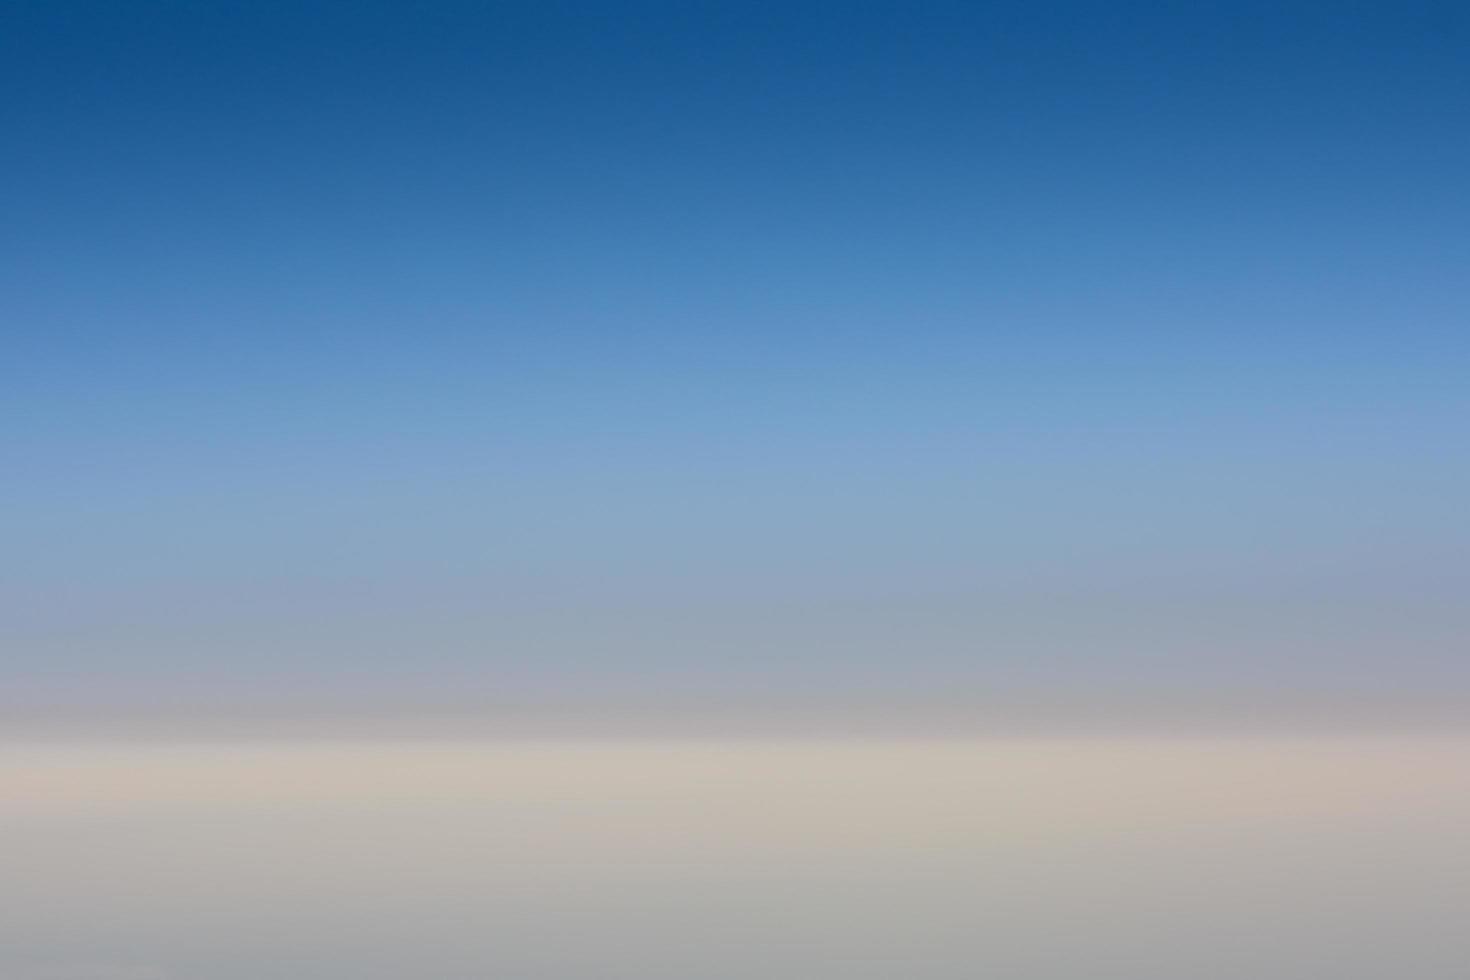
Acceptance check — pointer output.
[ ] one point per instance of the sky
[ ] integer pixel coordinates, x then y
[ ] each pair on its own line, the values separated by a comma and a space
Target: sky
386, 356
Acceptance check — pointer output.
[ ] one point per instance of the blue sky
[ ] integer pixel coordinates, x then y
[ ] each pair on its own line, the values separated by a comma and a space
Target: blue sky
549, 350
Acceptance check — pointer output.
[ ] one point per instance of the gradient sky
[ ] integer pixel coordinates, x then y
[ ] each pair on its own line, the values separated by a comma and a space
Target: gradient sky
391, 352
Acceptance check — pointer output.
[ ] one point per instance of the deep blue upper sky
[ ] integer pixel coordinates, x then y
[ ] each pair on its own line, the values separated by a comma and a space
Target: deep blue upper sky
738, 304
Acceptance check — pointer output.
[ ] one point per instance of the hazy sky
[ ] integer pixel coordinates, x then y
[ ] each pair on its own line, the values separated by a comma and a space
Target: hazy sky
399, 352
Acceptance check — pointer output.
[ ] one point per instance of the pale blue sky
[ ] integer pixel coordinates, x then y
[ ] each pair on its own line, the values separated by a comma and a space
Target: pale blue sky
540, 351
